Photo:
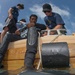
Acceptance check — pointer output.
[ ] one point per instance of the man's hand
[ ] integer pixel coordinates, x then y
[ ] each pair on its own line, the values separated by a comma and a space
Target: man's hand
30, 25
17, 32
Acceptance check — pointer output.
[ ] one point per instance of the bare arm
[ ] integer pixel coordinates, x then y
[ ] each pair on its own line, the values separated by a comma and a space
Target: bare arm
52, 32
24, 28
17, 32
58, 27
10, 13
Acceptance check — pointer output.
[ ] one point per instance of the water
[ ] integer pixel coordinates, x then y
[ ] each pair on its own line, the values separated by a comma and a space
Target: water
21, 71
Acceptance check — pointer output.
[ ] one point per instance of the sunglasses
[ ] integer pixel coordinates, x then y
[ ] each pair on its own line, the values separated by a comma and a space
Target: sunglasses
46, 11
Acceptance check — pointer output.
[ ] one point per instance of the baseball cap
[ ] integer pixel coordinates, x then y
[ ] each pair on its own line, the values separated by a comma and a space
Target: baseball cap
21, 5
46, 7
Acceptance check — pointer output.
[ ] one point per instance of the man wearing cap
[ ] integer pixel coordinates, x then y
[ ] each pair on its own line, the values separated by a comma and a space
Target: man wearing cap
10, 23
53, 20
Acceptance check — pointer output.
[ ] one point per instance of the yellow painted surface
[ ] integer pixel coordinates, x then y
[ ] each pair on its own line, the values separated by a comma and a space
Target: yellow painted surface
14, 58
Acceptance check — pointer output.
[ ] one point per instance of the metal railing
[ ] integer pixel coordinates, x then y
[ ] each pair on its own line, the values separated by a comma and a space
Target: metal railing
56, 31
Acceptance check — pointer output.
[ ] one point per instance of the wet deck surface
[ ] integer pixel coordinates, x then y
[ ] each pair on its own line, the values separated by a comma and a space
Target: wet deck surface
42, 72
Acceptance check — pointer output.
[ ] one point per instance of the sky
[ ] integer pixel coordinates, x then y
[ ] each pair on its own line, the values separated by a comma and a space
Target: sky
64, 7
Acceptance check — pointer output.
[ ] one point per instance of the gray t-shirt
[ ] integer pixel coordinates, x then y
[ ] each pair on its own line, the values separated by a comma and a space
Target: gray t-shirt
54, 20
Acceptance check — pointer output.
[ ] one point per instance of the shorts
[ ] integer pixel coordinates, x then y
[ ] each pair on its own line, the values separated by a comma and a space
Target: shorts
11, 24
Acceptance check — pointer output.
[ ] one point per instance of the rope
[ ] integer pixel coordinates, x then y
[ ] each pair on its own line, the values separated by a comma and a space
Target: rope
54, 38
39, 52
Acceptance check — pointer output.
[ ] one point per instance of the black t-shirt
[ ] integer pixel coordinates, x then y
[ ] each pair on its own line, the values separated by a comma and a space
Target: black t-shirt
40, 26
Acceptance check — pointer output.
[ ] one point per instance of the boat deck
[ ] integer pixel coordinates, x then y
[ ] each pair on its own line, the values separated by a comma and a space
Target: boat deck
14, 58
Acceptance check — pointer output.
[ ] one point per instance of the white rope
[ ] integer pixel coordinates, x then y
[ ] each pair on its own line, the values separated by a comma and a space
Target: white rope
54, 38
39, 52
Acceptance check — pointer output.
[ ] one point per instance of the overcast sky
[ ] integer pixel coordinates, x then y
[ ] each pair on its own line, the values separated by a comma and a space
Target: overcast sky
64, 7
